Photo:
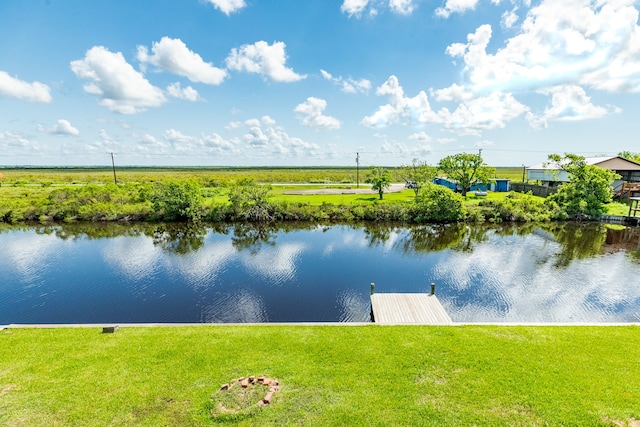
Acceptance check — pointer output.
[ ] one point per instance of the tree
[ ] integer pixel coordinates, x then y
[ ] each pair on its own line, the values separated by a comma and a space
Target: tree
588, 189
174, 200
250, 201
436, 203
418, 173
634, 157
380, 179
467, 169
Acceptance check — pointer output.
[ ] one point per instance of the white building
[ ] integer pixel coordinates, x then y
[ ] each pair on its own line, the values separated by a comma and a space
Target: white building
551, 174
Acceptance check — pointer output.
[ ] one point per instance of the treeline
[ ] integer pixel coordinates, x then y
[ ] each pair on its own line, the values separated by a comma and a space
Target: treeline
247, 201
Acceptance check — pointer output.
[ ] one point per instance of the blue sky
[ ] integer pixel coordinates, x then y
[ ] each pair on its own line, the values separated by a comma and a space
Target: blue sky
313, 82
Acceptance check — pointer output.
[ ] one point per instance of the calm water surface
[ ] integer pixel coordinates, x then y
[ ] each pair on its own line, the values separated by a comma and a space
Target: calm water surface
169, 273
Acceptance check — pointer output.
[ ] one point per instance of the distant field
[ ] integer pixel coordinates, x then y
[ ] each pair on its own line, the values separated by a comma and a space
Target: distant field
206, 176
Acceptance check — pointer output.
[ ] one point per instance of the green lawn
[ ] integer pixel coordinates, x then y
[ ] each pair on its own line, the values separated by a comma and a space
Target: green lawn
329, 375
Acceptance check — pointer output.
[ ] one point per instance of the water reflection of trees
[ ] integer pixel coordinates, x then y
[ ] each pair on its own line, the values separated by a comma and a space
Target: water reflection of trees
179, 238
427, 238
575, 240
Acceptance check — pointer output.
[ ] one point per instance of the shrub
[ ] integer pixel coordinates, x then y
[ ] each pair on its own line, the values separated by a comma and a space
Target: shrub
435, 203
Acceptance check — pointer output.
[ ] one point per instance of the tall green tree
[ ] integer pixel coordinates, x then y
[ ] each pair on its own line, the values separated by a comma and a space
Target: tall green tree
418, 173
467, 169
588, 189
634, 157
380, 179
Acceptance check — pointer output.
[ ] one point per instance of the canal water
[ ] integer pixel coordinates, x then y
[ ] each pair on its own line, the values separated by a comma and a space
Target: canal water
94, 273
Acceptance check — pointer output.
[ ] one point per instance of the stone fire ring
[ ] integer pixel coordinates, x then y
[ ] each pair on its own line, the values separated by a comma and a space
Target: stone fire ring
240, 385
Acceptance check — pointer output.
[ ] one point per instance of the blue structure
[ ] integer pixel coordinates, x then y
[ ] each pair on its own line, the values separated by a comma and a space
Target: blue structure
453, 185
501, 185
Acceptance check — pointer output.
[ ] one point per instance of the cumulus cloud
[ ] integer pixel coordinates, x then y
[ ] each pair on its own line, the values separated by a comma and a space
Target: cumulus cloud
265, 135
354, 7
348, 85
262, 58
582, 42
64, 128
15, 88
188, 93
402, 7
358, 8
482, 113
174, 56
400, 109
203, 144
119, 86
473, 114
509, 18
455, 6
227, 6
310, 114
420, 136
568, 103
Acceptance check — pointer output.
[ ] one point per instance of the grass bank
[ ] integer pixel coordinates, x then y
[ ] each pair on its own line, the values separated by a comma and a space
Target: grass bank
360, 375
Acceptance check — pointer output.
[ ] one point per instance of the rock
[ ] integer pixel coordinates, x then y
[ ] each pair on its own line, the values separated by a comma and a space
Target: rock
224, 387
252, 379
244, 383
268, 397
261, 380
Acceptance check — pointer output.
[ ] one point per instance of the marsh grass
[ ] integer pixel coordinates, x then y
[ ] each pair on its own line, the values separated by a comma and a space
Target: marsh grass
331, 376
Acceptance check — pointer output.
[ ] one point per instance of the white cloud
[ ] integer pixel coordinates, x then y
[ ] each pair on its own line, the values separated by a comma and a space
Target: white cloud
483, 113
174, 136
175, 57
358, 7
472, 116
188, 93
581, 42
568, 103
354, 7
402, 7
509, 18
120, 87
265, 59
310, 114
16, 88
454, 92
400, 109
227, 6
455, 6
10, 141
264, 136
420, 136
64, 128
349, 85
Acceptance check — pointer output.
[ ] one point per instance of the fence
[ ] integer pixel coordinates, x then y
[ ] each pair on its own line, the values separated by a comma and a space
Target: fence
537, 190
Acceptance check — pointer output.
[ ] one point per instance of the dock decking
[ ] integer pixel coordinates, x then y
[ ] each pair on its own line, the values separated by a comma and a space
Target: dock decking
408, 309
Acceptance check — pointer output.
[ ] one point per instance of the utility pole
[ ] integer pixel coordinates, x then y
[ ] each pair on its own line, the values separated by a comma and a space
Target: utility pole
113, 163
480, 152
357, 170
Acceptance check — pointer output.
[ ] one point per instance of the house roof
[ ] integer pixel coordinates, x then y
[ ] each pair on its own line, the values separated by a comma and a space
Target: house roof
609, 162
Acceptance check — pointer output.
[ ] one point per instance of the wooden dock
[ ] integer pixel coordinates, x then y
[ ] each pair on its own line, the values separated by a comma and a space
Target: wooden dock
408, 309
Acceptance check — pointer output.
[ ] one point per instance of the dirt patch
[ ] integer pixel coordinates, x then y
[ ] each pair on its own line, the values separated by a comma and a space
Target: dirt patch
631, 422
4, 389
394, 188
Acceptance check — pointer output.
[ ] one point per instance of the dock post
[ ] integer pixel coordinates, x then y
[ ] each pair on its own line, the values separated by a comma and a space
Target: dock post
373, 288
433, 289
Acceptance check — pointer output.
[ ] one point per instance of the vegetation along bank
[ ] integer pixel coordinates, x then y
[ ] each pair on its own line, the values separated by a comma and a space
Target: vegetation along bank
238, 195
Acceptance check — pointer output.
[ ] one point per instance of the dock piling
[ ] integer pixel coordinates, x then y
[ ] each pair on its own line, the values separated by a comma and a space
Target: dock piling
373, 288
433, 289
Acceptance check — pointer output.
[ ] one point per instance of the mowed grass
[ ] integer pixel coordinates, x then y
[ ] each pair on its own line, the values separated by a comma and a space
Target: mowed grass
329, 375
